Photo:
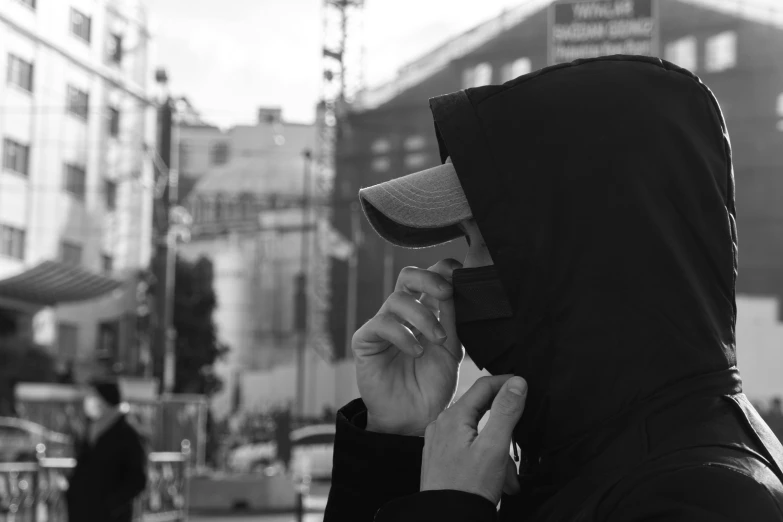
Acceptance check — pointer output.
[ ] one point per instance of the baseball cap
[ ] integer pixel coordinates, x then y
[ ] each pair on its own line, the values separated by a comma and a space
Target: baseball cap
418, 210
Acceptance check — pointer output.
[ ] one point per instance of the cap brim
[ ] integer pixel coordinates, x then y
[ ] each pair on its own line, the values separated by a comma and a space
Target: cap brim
418, 210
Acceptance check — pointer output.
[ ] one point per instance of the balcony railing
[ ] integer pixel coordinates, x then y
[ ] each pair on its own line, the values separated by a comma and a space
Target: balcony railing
35, 492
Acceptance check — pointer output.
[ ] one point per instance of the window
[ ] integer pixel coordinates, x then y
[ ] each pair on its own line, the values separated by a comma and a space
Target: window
78, 102
75, 180
416, 160
721, 52
219, 153
682, 52
114, 51
380, 146
70, 253
16, 156
114, 122
381, 164
20, 73
12, 241
107, 263
516, 69
110, 192
415, 142
109, 338
80, 24
477, 76
67, 341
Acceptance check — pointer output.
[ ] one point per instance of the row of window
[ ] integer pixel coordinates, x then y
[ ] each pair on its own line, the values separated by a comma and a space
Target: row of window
71, 254
720, 52
413, 161
12, 244
16, 158
68, 339
414, 158
81, 27
481, 74
720, 55
20, 73
218, 154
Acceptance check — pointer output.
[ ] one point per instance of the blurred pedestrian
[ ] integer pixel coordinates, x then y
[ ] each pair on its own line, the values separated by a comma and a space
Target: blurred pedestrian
111, 461
598, 288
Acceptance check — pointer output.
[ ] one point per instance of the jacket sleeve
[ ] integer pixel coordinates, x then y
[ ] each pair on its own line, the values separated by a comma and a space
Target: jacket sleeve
369, 469
701, 494
133, 480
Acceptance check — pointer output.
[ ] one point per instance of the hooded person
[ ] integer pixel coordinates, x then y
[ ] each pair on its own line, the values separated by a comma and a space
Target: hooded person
602, 193
111, 461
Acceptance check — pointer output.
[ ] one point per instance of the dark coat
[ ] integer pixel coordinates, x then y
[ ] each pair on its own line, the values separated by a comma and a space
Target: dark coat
108, 476
604, 190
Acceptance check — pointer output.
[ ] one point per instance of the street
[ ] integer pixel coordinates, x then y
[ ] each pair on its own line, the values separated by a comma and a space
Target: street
315, 503
310, 517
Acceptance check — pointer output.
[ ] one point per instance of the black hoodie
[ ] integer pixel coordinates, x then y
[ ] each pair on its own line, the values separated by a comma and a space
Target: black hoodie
605, 193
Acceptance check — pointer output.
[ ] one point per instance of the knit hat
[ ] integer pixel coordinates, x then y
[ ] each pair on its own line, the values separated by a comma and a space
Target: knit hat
109, 390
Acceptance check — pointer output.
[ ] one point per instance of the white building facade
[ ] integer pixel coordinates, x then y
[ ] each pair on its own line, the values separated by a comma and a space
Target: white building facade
76, 124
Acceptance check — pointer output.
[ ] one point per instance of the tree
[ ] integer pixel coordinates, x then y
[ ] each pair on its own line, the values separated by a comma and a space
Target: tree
197, 346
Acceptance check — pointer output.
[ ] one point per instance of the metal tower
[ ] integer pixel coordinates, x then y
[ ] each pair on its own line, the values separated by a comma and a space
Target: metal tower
342, 78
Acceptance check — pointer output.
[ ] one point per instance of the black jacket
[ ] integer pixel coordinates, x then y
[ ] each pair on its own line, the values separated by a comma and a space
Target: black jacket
604, 190
108, 476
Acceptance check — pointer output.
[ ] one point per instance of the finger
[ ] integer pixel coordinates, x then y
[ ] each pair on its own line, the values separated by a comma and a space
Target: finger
477, 400
446, 314
417, 317
507, 408
418, 281
511, 485
444, 268
383, 332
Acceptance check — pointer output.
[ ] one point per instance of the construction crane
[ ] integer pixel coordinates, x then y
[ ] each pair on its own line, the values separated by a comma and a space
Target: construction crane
342, 78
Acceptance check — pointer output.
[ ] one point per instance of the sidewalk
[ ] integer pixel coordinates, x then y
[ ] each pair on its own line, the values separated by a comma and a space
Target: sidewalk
310, 517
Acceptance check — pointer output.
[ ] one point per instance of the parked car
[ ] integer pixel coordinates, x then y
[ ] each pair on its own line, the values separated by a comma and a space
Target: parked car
23, 440
255, 456
311, 453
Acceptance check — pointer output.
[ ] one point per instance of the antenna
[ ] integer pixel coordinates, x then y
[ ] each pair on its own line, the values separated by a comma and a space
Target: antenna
342, 78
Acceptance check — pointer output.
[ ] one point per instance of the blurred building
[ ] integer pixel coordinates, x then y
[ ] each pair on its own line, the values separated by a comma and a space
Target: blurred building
76, 118
249, 218
733, 46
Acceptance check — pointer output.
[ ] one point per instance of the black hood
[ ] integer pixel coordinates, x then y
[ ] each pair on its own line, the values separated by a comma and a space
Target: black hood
604, 190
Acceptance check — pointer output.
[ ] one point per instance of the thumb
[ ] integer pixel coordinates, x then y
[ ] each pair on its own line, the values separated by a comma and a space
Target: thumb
506, 411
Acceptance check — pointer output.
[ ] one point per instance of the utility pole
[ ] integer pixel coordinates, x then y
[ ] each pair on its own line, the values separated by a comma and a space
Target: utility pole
301, 312
164, 337
353, 277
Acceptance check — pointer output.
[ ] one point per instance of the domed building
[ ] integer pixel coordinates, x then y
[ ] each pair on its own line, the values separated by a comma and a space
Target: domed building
252, 219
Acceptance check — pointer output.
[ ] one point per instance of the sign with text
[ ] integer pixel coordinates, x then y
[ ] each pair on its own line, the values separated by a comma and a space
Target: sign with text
586, 29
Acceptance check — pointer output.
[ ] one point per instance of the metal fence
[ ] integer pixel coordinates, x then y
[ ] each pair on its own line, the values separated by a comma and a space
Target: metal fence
35, 492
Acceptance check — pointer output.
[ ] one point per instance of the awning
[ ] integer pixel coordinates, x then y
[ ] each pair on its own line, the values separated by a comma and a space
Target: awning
51, 282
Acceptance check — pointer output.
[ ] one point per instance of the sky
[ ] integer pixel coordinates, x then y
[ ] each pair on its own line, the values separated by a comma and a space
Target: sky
229, 57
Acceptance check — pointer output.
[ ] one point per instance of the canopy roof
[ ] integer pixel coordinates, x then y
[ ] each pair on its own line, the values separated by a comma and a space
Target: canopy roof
51, 282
